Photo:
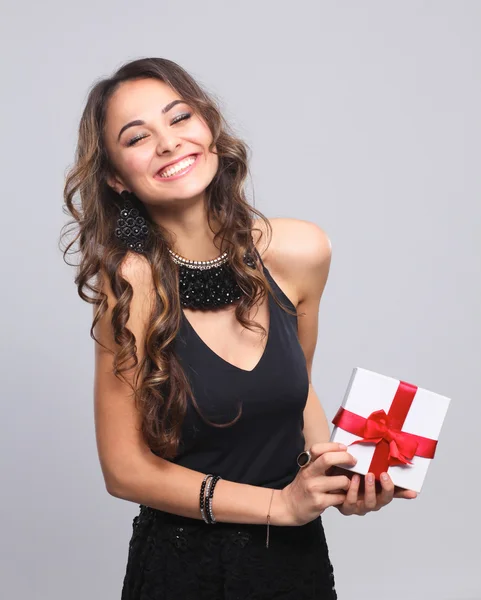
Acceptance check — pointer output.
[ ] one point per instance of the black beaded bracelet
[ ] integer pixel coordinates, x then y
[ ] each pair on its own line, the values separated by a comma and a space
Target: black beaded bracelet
202, 499
210, 495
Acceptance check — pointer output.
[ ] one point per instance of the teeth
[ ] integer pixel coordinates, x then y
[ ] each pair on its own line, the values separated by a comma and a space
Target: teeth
183, 164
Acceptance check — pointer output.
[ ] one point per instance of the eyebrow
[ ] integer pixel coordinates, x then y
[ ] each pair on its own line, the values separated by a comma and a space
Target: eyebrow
166, 109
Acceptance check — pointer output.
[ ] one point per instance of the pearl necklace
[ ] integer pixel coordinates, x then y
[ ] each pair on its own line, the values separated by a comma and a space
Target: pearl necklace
206, 284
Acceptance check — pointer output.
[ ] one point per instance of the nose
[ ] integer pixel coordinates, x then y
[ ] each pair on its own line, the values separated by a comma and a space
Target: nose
167, 143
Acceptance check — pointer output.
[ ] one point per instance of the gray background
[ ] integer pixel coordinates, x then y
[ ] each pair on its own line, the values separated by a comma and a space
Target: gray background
363, 117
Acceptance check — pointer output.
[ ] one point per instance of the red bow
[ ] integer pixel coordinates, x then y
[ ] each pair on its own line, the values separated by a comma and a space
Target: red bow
379, 427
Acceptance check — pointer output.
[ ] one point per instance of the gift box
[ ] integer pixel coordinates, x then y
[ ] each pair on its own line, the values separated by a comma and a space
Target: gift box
389, 425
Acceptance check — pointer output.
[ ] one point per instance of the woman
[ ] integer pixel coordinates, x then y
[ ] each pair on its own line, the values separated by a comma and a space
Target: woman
204, 411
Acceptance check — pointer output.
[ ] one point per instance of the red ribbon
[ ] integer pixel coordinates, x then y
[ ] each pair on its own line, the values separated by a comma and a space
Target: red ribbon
393, 446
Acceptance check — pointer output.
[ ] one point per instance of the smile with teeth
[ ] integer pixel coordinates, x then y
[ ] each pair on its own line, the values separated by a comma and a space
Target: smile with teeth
178, 167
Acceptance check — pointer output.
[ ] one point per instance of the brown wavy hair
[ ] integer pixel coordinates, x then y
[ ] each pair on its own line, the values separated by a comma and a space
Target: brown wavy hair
161, 388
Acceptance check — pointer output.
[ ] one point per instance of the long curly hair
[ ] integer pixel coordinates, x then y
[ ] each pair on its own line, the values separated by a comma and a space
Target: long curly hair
161, 388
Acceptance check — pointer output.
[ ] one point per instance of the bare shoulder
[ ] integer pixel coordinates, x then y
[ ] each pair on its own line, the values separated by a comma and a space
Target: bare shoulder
298, 256
136, 270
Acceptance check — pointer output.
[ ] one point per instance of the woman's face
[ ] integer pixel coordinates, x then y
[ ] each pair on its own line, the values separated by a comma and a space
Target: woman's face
141, 139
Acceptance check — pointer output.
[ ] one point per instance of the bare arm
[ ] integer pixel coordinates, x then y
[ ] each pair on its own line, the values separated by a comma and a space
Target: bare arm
175, 489
316, 270
301, 253
316, 426
317, 265
131, 471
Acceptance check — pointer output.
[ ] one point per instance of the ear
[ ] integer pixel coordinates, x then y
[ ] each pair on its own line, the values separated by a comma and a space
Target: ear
115, 183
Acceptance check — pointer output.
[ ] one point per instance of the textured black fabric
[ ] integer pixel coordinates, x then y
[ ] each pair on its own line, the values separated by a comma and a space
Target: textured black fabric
172, 557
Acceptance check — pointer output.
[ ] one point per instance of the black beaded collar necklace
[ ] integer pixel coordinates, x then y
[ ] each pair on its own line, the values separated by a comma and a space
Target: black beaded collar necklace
207, 284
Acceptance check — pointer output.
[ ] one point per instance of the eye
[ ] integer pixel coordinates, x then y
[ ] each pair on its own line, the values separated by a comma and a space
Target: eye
177, 119
181, 118
135, 139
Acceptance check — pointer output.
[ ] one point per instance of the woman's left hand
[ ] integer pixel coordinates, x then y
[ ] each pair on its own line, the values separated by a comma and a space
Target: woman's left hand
360, 504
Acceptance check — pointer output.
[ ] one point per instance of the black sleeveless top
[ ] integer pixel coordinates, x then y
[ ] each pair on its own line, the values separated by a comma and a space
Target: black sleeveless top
261, 448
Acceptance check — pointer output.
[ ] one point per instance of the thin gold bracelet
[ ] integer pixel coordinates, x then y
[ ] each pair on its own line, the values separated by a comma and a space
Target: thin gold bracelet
269, 519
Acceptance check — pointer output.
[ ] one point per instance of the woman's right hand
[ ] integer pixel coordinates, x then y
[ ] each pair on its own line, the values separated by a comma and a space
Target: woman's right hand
311, 492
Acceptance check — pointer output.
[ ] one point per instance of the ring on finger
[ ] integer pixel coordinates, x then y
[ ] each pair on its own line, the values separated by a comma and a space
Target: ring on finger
304, 458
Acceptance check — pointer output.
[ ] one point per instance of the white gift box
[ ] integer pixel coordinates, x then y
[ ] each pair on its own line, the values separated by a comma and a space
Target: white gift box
368, 392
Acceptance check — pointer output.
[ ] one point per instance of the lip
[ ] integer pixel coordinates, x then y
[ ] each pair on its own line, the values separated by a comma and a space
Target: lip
158, 176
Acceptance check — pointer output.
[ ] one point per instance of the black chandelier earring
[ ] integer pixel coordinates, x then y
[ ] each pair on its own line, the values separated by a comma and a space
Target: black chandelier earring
132, 229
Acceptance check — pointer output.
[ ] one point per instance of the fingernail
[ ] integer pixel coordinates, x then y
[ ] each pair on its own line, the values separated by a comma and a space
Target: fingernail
384, 477
342, 447
370, 478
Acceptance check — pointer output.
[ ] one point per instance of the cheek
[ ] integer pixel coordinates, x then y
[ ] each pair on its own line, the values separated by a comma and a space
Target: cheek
203, 134
211, 155
214, 161
136, 163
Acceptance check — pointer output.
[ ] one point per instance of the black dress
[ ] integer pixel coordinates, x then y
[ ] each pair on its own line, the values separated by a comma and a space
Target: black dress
172, 557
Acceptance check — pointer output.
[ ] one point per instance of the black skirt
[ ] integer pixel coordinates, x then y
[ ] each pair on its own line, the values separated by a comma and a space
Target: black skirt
172, 557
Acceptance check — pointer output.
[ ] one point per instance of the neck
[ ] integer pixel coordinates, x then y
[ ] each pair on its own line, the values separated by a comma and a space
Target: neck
189, 231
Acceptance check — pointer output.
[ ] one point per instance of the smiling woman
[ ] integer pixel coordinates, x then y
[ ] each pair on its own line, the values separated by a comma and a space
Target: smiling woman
150, 130
202, 366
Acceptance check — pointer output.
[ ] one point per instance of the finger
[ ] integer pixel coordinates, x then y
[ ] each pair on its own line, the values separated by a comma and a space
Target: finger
361, 509
387, 492
321, 448
330, 459
335, 483
406, 494
353, 491
333, 500
370, 500
351, 504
